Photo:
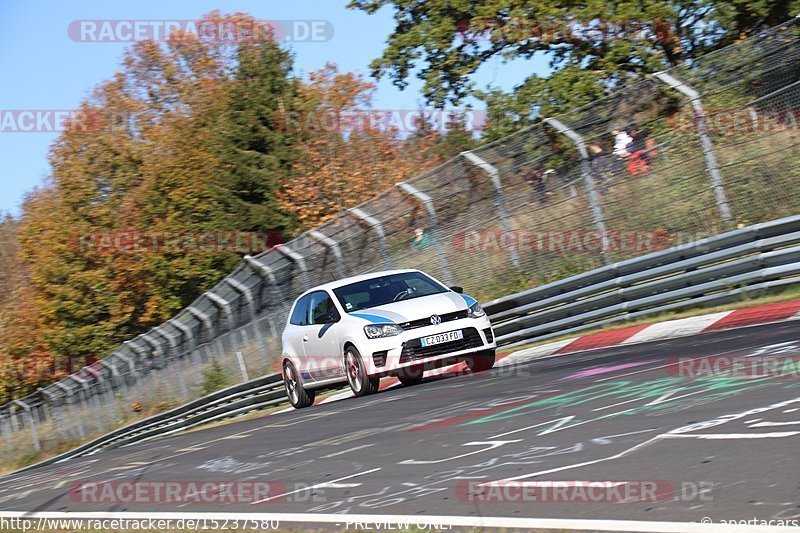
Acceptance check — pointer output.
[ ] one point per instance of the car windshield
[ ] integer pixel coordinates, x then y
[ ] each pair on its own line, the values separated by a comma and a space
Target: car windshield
386, 289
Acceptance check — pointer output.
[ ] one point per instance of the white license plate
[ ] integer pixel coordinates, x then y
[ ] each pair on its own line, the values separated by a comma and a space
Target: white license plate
440, 338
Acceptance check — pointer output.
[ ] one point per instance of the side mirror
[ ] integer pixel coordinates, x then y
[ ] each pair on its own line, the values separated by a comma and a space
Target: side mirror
325, 318
456, 288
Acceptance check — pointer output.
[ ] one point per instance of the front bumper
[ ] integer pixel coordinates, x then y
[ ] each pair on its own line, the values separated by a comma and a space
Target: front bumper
405, 350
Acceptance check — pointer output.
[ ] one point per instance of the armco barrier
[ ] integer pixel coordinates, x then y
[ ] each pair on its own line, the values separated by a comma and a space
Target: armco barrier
232, 401
713, 270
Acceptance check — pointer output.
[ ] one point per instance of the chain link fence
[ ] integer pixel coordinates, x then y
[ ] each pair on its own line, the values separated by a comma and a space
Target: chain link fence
715, 144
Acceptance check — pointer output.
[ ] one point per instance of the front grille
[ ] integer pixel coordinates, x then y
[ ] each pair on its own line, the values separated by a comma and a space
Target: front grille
447, 317
413, 349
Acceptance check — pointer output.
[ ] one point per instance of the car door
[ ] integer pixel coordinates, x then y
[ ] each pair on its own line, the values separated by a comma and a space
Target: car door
320, 339
294, 332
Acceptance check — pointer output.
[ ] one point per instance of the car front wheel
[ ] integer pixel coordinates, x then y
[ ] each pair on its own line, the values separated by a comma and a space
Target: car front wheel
298, 396
481, 361
360, 383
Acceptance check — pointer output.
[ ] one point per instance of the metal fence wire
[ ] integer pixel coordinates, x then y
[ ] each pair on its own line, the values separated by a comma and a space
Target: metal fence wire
716, 146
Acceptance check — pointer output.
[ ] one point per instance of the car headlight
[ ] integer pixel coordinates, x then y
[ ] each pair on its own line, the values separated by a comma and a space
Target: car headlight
476, 311
375, 331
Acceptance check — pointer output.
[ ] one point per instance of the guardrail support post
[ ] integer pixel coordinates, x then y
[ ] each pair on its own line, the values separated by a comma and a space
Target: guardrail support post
500, 197
186, 330
377, 227
223, 305
265, 271
588, 180
705, 140
247, 294
432, 220
173, 346
202, 317
298, 260
333, 246
68, 399
31, 423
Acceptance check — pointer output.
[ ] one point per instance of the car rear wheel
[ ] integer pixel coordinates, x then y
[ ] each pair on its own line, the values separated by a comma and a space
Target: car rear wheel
298, 396
481, 361
360, 383
411, 375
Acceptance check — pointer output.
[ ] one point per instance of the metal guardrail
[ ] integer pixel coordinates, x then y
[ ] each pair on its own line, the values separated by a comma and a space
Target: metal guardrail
709, 271
229, 402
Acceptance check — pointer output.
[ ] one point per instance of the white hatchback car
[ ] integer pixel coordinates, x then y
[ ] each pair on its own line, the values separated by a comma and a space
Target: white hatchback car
394, 323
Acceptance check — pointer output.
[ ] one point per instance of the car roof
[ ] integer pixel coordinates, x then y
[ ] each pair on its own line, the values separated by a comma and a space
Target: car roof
354, 279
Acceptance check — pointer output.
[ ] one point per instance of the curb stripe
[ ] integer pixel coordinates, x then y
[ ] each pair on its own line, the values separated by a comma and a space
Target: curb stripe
602, 339
756, 315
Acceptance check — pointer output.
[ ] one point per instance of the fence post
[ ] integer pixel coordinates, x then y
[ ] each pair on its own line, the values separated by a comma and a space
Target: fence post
298, 260
173, 346
31, 423
705, 140
186, 330
333, 246
247, 294
265, 271
588, 180
377, 227
204, 318
434, 223
133, 372
6, 433
224, 305
68, 400
500, 197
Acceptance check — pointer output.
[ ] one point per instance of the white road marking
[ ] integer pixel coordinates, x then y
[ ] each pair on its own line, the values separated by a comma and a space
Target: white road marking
318, 485
492, 446
346, 451
724, 436
557, 423
774, 424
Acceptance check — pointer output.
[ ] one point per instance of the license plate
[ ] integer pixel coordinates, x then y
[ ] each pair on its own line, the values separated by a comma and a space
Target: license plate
440, 338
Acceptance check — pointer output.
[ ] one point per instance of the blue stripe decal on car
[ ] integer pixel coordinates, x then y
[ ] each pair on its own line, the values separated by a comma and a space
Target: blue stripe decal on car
375, 319
470, 300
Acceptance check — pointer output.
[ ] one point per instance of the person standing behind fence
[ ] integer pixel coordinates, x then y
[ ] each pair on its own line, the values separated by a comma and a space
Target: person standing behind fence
621, 143
641, 157
538, 188
601, 167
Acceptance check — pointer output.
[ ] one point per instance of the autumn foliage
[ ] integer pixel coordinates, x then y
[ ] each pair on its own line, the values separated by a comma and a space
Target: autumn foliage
188, 136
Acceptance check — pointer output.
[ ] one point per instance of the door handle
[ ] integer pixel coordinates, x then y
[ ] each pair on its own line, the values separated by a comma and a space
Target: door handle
305, 338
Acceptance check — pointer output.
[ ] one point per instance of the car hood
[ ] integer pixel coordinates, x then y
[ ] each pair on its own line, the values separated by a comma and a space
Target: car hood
415, 308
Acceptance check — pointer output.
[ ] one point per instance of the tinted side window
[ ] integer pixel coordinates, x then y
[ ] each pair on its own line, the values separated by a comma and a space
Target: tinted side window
321, 303
300, 313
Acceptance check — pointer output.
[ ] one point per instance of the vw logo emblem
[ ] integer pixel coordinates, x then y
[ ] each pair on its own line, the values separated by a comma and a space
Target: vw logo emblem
436, 320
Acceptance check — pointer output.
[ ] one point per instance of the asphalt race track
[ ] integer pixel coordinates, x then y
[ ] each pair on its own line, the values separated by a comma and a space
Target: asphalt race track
492, 444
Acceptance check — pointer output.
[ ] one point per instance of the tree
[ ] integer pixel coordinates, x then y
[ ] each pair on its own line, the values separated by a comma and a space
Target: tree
163, 148
593, 46
348, 153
